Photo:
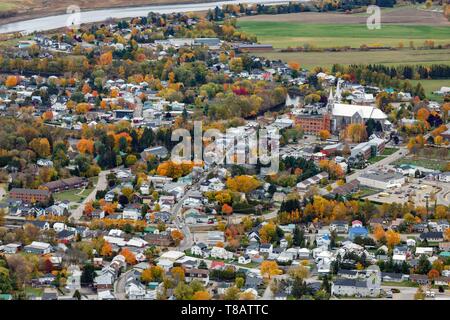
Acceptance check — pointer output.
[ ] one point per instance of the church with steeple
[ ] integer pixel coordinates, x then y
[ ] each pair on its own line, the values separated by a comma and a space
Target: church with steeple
344, 114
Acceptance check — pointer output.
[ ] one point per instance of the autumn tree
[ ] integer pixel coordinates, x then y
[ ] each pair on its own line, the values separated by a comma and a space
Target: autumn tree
268, 232
378, 232
106, 250
11, 81
324, 135
106, 58
177, 236
392, 238
86, 146
41, 146
178, 274
299, 272
356, 132
433, 274
202, 295
269, 269
130, 258
243, 184
423, 114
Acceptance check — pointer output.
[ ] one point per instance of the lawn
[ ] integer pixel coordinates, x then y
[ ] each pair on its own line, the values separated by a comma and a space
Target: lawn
432, 164
375, 159
75, 195
30, 291
428, 158
432, 85
389, 151
293, 34
310, 60
364, 192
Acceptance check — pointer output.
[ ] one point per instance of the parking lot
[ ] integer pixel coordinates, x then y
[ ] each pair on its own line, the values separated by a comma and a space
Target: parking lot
415, 191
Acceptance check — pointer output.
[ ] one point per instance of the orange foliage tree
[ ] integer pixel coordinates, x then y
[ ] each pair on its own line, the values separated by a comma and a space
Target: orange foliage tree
86, 146
130, 258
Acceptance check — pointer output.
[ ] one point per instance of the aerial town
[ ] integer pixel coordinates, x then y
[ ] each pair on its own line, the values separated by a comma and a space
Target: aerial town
93, 206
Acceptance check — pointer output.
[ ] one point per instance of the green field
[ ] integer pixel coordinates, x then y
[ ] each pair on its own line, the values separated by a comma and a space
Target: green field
75, 195
426, 163
428, 158
389, 151
375, 159
4, 6
433, 85
293, 34
310, 60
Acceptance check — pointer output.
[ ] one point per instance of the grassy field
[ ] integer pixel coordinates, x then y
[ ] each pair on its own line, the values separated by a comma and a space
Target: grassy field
74, 195
428, 158
392, 57
293, 34
422, 162
433, 85
4, 6
389, 151
376, 159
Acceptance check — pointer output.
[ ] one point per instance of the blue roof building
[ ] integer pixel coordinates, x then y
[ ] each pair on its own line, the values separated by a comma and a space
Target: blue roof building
357, 232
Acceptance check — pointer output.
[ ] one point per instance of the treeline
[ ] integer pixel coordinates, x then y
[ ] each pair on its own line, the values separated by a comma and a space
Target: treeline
434, 71
218, 13
392, 76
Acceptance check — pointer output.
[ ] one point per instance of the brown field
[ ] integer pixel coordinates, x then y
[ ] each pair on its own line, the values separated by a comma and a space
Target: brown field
28, 9
400, 15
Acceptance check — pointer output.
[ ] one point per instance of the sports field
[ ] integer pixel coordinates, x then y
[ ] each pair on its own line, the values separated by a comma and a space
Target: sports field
294, 34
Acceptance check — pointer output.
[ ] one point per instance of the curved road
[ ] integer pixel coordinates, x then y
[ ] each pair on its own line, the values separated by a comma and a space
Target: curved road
63, 20
101, 185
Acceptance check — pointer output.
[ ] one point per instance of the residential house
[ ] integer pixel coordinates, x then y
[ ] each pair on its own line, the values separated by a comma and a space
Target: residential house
38, 248
201, 275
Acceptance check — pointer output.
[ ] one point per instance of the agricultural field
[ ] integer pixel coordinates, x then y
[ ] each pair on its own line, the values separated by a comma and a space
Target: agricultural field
404, 15
5, 6
399, 27
388, 57
295, 34
433, 85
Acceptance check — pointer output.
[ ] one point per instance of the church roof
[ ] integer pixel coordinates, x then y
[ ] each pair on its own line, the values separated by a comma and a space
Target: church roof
367, 112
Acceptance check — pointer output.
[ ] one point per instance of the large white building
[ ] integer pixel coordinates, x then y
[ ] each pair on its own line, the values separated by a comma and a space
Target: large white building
345, 114
381, 180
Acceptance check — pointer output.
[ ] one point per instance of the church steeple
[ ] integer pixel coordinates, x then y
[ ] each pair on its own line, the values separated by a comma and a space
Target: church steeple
338, 95
330, 102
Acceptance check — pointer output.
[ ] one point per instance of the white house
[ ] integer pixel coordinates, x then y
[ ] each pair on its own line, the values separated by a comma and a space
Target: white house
220, 253
131, 214
59, 226
245, 259
198, 249
266, 248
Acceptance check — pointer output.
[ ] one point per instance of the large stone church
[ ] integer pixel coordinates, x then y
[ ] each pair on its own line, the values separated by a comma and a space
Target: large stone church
345, 114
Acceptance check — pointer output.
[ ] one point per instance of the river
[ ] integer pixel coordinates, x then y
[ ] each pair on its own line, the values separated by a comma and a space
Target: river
59, 21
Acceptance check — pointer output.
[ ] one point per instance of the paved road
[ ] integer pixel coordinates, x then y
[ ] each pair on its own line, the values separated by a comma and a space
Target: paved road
119, 285
63, 20
101, 185
401, 152
179, 222
443, 196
